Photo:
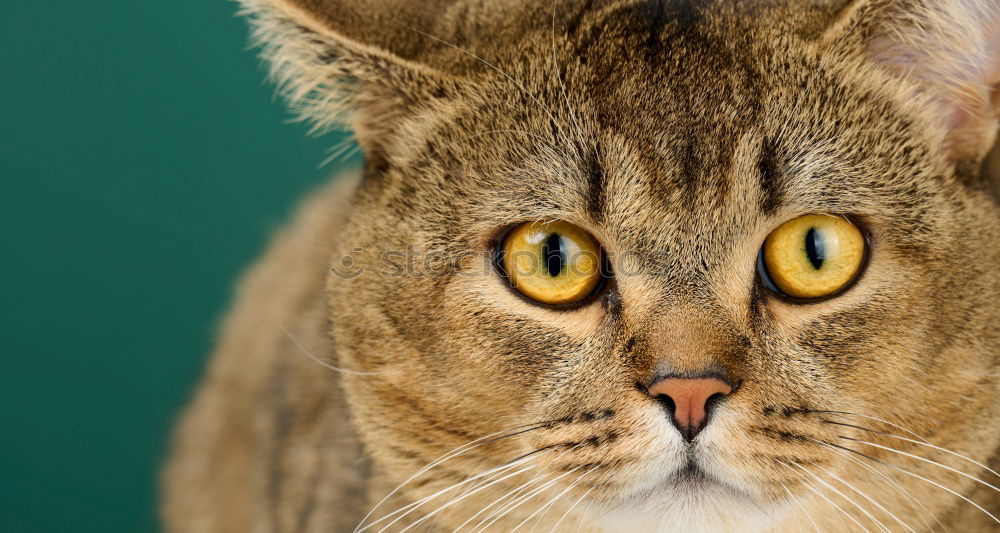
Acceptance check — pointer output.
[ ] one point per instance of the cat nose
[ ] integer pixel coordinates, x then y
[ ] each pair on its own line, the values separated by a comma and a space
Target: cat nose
690, 400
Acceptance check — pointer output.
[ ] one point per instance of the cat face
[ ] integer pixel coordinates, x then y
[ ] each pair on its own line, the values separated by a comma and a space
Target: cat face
685, 386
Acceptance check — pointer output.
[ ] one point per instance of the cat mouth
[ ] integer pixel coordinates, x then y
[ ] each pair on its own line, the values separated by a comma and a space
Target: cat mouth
691, 485
694, 480
692, 477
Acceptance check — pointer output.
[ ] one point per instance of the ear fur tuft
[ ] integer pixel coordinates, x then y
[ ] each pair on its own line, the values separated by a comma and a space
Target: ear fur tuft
949, 49
326, 76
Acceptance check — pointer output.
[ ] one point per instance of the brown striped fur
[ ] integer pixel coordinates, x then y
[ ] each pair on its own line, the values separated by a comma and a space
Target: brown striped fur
679, 133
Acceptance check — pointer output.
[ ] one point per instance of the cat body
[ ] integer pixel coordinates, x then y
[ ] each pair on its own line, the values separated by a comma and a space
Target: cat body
380, 359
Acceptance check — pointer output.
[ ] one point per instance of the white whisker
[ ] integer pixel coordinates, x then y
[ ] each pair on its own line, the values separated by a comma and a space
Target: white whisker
407, 509
467, 490
861, 508
925, 443
439, 509
454, 453
520, 501
924, 459
322, 363
876, 419
932, 482
585, 513
512, 494
811, 487
798, 502
892, 481
873, 502
554, 499
571, 507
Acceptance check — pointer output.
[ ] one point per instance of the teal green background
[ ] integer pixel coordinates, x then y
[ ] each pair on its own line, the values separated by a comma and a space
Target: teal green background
144, 163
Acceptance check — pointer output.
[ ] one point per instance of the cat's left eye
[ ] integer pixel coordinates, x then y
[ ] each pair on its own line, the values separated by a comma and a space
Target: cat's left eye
554, 263
812, 256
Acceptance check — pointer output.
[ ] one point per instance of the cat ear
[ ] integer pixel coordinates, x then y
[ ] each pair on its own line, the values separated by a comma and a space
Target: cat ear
948, 50
349, 64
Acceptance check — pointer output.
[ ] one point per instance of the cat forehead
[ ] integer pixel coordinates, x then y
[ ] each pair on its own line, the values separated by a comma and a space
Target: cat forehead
665, 81
663, 182
779, 147
703, 120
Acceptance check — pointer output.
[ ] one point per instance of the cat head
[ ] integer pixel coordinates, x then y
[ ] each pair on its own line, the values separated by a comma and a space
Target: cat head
684, 262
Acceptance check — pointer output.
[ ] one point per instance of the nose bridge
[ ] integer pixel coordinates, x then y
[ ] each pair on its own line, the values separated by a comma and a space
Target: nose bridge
694, 361
694, 343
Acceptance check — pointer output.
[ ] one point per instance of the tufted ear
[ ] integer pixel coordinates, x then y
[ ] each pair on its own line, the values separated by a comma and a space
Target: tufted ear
351, 64
948, 50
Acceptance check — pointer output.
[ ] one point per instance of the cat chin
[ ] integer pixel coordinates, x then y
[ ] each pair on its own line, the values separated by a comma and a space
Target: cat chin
689, 489
693, 505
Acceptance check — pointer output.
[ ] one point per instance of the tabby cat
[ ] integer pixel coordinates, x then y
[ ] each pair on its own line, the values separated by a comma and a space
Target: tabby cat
620, 265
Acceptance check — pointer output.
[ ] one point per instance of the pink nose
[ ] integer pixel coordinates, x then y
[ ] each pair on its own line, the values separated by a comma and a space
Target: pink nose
690, 399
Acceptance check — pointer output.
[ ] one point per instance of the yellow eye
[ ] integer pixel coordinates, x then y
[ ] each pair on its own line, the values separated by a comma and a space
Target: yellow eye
813, 256
555, 263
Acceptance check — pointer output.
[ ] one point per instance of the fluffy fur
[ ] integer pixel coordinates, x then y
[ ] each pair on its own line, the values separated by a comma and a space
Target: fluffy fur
680, 134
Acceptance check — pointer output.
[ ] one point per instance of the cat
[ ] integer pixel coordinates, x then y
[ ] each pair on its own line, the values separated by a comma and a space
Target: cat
619, 265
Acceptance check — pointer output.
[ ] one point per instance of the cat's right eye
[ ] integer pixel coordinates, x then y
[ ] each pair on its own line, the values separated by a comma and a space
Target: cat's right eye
554, 263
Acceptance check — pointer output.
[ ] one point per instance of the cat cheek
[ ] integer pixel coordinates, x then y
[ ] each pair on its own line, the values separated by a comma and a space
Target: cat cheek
489, 294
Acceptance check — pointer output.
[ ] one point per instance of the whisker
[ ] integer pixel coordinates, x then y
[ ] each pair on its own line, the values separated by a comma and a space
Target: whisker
513, 496
811, 487
798, 502
407, 509
586, 512
861, 508
932, 482
920, 443
513, 493
509, 506
425, 500
411, 506
465, 491
873, 502
876, 419
441, 508
522, 499
323, 363
895, 483
525, 456
924, 459
571, 507
482, 441
555, 499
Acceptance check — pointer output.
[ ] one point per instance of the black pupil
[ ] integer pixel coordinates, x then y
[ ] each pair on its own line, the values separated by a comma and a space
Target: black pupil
553, 254
814, 248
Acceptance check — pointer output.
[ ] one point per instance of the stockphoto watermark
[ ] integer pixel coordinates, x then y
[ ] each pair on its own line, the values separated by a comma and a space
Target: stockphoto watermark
413, 263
